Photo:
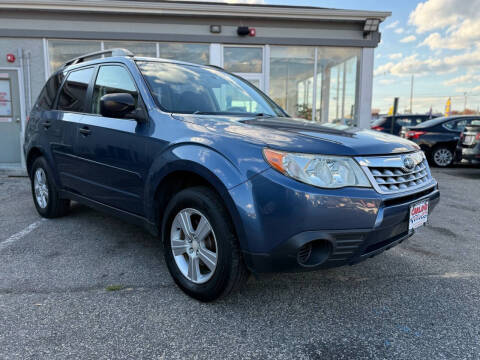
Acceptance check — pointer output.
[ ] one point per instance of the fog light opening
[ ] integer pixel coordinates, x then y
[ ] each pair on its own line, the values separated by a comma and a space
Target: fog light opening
314, 253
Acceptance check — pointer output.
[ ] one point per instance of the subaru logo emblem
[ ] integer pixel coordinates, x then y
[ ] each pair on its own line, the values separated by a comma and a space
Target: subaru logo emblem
408, 163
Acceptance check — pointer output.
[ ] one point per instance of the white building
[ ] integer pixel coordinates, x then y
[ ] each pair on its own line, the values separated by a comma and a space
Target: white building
316, 63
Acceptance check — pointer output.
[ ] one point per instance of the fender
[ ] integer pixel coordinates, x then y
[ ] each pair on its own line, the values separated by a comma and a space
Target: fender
203, 161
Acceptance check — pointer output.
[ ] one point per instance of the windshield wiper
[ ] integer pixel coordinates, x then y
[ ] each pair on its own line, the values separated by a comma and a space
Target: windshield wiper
198, 112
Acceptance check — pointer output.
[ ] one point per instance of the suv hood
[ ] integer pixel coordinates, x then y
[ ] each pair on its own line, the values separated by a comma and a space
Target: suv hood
298, 135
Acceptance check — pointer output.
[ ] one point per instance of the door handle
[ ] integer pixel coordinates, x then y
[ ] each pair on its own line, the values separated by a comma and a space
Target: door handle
47, 124
85, 131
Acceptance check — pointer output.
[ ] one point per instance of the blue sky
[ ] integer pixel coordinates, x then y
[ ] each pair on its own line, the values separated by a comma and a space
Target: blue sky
437, 40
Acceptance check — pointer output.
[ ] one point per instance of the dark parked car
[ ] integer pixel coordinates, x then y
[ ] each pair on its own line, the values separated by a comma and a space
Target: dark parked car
438, 138
468, 150
229, 182
384, 124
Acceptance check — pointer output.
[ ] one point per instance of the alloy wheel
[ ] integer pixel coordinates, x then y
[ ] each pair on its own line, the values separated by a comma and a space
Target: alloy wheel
194, 245
443, 157
41, 188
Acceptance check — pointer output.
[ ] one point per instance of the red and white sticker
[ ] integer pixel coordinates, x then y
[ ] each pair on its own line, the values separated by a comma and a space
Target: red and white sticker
418, 214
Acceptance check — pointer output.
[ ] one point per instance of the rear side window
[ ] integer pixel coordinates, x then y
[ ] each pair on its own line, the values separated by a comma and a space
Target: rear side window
457, 125
74, 91
112, 79
384, 122
49, 92
406, 121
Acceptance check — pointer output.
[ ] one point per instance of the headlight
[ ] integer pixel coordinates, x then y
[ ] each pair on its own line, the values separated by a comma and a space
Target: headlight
324, 171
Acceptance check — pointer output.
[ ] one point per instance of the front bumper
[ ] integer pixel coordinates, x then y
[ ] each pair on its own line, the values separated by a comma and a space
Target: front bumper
349, 225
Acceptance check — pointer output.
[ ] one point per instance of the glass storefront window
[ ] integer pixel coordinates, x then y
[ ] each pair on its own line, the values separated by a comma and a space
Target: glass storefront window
291, 79
148, 49
293, 82
60, 51
337, 84
194, 53
238, 59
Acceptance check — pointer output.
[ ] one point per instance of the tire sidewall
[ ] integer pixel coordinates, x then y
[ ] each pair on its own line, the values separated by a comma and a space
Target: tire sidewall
438, 149
41, 163
194, 199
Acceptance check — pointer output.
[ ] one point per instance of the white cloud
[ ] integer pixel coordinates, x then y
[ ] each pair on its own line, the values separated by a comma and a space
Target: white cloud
392, 25
467, 90
409, 39
463, 79
386, 81
439, 14
453, 24
461, 37
414, 65
399, 30
395, 56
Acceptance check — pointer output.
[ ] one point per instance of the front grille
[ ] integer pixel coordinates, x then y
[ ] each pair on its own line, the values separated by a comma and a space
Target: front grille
389, 174
395, 179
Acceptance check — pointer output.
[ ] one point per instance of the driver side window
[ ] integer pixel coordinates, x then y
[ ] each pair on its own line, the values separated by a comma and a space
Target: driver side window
112, 79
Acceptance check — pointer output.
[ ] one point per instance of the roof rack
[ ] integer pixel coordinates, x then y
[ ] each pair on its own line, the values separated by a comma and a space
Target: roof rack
112, 52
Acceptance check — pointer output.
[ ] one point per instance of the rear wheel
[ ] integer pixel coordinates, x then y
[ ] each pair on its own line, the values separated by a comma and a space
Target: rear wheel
200, 246
442, 156
45, 193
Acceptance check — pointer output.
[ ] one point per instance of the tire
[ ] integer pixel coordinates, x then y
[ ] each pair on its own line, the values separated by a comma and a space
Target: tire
442, 156
205, 210
41, 178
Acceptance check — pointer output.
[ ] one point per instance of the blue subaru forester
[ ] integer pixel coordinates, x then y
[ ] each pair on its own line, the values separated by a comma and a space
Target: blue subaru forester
229, 182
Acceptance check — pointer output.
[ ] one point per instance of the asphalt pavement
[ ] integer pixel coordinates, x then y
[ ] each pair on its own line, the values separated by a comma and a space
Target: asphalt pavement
90, 286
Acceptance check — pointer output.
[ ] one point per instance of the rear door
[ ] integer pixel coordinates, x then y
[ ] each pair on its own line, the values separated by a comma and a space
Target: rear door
114, 153
70, 109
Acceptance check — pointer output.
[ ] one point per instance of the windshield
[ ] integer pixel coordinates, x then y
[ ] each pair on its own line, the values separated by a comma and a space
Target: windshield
190, 89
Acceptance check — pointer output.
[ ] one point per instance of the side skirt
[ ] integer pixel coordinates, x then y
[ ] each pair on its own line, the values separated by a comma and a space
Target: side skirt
124, 215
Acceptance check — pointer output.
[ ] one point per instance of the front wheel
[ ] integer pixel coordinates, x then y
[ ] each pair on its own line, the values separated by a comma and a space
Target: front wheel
442, 157
200, 246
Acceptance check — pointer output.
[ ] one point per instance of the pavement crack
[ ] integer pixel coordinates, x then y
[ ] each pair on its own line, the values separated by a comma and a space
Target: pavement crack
79, 289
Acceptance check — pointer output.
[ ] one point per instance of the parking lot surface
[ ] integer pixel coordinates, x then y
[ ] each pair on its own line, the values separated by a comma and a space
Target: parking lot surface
90, 286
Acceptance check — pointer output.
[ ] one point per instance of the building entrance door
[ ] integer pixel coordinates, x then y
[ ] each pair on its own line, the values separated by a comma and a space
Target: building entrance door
10, 117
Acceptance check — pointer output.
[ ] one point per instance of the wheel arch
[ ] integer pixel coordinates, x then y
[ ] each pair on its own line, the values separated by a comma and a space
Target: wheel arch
34, 153
190, 166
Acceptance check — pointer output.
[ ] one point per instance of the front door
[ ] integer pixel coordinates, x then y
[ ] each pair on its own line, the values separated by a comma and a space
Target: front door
10, 118
114, 152
246, 62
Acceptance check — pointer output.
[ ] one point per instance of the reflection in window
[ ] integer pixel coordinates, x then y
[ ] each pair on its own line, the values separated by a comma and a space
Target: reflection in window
74, 91
243, 59
60, 51
291, 79
194, 53
112, 79
191, 89
138, 48
292, 82
337, 84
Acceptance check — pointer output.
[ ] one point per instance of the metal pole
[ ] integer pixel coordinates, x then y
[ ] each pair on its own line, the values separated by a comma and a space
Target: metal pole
29, 81
465, 105
343, 88
338, 92
411, 95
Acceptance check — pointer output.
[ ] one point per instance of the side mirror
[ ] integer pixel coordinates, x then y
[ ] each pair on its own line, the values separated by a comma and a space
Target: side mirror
117, 105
